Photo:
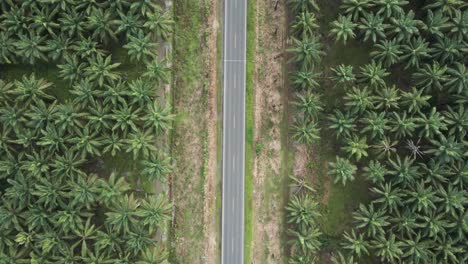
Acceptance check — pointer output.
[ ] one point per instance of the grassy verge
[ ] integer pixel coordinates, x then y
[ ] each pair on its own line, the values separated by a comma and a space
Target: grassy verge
219, 136
249, 133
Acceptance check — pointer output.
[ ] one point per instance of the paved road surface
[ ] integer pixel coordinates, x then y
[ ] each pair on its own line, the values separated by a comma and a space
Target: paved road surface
232, 236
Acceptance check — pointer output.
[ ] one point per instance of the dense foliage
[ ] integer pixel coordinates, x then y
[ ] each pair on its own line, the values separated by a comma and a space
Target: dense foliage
412, 129
305, 237
57, 205
402, 124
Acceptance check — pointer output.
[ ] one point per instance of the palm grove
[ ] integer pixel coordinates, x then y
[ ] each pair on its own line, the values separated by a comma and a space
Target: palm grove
401, 123
56, 206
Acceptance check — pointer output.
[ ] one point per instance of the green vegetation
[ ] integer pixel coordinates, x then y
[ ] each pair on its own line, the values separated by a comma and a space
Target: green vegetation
250, 148
400, 122
69, 117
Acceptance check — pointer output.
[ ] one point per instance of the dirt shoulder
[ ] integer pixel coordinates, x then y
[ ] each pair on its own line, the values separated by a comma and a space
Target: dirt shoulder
194, 144
270, 168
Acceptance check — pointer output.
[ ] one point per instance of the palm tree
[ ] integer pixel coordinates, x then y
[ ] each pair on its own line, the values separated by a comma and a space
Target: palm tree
343, 28
304, 25
387, 53
69, 218
59, 48
157, 70
154, 212
457, 121
7, 48
306, 79
84, 190
102, 70
141, 92
390, 8
435, 172
415, 100
387, 98
99, 118
341, 259
447, 249
85, 94
72, 69
112, 188
122, 214
155, 255
72, 23
436, 23
130, 23
138, 241
402, 125
43, 20
41, 115
86, 142
452, 200
101, 23
459, 26
371, 220
448, 7
302, 211
446, 50
68, 118
68, 164
388, 249
355, 243
416, 50
306, 52
108, 241
305, 239
343, 75
372, 26
50, 194
447, 150
389, 196
357, 147
404, 171
31, 47
457, 78
29, 89
359, 100
300, 184
11, 118
342, 170
421, 198
375, 123
156, 167
15, 20
373, 74
342, 124
375, 171
140, 47
309, 105
431, 76
113, 144
356, 8
19, 190
306, 132
405, 26
298, 6
144, 6
114, 93
87, 48
416, 250
141, 143
158, 119
432, 123
126, 118
159, 23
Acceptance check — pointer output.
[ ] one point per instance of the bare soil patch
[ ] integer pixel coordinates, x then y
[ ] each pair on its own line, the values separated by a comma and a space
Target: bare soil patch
269, 195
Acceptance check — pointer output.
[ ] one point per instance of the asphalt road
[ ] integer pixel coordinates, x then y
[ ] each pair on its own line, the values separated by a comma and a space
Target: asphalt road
232, 234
